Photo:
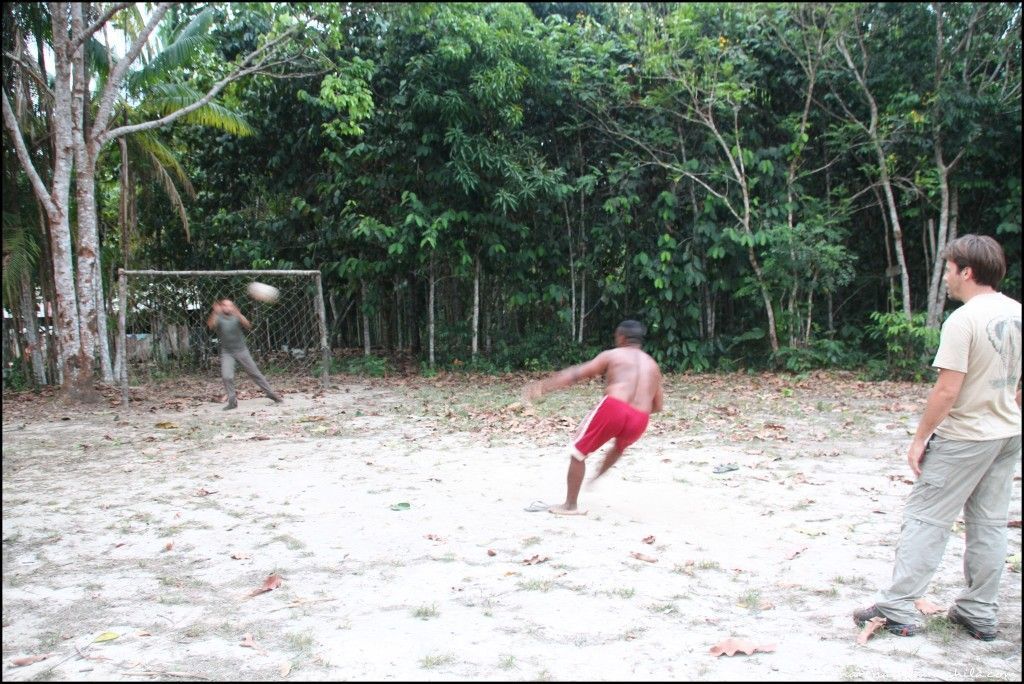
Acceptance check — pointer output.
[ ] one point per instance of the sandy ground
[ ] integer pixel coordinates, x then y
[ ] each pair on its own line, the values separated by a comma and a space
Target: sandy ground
157, 523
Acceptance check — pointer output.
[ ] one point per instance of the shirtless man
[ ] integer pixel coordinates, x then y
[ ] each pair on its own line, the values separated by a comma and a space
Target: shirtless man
228, 322
632, 392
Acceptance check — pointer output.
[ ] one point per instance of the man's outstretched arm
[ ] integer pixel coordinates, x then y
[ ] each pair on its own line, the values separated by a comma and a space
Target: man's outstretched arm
563, 378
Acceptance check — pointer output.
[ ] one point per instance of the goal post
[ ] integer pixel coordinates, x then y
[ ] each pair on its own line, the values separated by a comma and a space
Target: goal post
162, 329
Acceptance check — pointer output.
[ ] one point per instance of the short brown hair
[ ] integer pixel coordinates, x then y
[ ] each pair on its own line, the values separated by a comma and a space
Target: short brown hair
982, 254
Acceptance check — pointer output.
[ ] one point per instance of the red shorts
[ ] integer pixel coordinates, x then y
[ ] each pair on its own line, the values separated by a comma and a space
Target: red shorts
611, 418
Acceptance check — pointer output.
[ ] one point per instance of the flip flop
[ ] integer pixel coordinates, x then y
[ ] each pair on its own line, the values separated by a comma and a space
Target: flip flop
725, 468
537, 505
557, 511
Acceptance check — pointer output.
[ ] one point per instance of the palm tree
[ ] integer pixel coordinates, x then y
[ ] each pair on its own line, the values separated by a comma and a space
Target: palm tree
152, 91
156, 90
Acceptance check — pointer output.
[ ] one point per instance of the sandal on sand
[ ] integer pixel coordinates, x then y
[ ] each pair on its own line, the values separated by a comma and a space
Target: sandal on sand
561, 511
537, 505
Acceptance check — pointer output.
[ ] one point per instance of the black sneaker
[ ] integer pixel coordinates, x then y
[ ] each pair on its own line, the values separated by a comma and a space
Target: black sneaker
231, 405
862, 616
954, 616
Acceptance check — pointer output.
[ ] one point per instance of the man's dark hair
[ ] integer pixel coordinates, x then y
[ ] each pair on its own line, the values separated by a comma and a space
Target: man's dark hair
633, 331
983, 254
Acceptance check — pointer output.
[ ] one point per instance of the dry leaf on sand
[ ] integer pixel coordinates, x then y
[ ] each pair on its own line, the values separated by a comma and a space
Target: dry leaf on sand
272, 582
648, 540
643, 557
795, 552
28, 660
534, 560
870, 627
927, 607
731, 646
249, 642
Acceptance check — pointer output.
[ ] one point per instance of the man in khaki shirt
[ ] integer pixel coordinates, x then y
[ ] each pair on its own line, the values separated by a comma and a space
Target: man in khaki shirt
966, 447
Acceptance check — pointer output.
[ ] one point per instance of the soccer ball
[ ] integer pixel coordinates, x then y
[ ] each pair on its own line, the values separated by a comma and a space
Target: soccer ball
263, 292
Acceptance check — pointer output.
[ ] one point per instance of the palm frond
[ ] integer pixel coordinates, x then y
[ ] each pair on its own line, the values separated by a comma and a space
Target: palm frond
179, 53
165, 98
172, 193
98, 58
21, 255
148, 144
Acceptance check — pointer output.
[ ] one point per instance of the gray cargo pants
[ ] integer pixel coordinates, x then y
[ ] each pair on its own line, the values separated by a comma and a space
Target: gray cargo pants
227, 373
978, 478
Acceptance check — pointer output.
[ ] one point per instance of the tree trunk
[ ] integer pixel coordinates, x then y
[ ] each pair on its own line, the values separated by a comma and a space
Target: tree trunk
430, 313
414, 315
398, 313
366, 320
476, 307
583, 304
56, 202
897, 231
31, 323
572, 271
871, 129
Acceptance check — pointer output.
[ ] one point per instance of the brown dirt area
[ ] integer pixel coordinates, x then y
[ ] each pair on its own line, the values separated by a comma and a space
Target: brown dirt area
157, 522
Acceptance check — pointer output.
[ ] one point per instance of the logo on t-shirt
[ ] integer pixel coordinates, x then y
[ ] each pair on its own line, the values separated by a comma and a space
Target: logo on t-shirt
1004, 335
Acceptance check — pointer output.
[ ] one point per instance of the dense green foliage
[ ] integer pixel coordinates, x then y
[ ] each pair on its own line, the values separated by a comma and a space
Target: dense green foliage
699, 167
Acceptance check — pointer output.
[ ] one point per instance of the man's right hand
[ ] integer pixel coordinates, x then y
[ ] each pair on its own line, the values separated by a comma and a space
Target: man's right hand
915, 456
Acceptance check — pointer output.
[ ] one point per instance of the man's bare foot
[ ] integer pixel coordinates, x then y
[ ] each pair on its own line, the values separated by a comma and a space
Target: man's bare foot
562, 510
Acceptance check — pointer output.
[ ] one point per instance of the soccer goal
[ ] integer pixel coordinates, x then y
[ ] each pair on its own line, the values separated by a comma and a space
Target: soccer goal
162, 328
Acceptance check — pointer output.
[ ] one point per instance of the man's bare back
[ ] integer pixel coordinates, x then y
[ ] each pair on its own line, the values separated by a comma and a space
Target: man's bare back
632, 376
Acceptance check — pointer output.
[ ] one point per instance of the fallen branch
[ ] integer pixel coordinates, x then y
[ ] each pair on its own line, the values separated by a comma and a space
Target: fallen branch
301, 602
162, 673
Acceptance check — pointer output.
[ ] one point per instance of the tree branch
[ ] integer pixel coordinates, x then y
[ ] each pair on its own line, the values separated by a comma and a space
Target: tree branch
23, 156
240, 71
33, 71
117, 75
98, 24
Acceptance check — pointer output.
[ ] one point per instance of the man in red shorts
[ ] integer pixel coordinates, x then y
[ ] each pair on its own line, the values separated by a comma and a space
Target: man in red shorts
632, 393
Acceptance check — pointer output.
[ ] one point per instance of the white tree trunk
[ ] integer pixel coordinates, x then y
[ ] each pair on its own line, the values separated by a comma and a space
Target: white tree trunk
31, 322
583, 304
476, 308
55, 200
366, 321
936, 295
572, 273
430, 313
883, 168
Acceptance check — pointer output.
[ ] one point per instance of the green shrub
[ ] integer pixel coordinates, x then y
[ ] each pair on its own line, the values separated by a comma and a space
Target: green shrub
909, 346
372, 366
821, 353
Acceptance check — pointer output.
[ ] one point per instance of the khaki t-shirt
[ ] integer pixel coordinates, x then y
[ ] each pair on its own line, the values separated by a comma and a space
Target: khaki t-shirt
982, 339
